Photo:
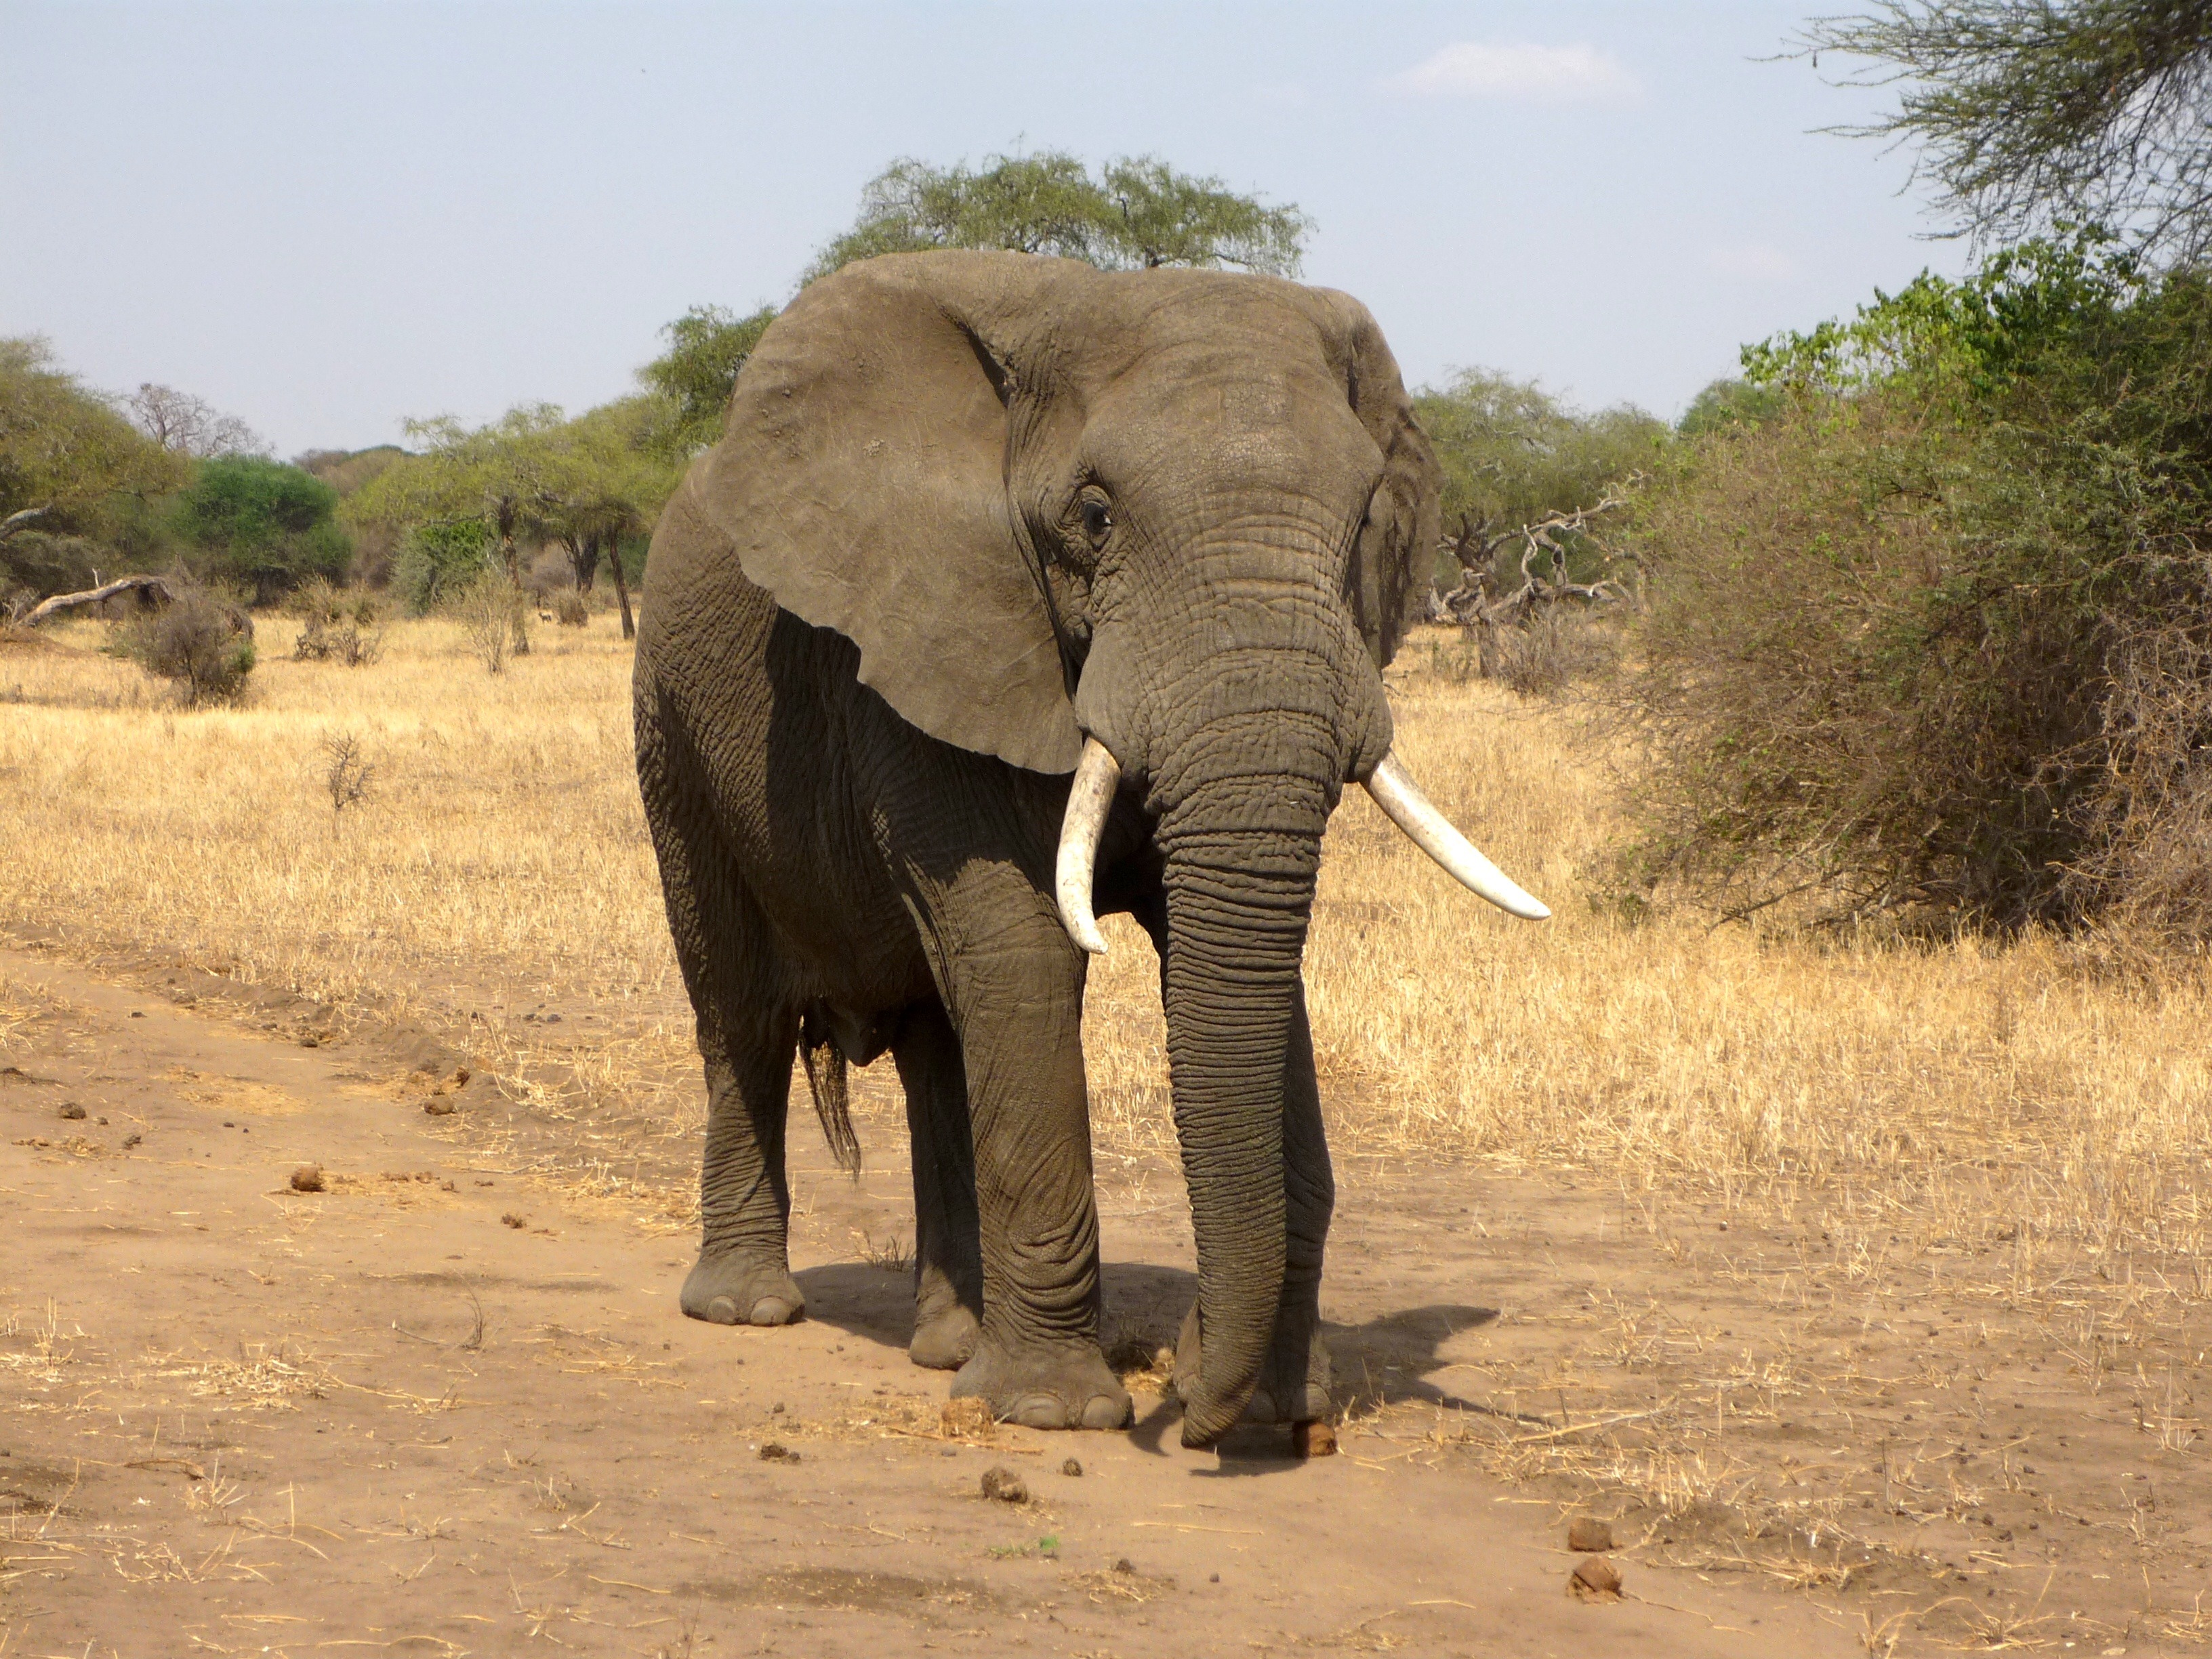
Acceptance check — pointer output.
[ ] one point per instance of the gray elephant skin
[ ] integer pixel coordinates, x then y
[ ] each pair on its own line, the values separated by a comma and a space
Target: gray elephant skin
979, 522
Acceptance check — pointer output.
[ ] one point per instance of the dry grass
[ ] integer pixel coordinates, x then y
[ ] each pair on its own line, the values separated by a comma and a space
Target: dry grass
501, 864
1999, 1141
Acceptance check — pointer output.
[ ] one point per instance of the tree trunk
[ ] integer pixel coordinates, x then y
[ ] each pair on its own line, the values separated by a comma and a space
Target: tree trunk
622, 587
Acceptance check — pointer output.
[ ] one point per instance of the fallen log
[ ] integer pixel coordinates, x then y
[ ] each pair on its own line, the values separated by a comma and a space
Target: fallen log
151, 591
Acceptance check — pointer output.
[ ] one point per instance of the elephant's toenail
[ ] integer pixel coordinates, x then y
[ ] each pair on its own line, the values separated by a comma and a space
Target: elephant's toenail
1039, 1411
771, 1310
1103, 1411
722, 1310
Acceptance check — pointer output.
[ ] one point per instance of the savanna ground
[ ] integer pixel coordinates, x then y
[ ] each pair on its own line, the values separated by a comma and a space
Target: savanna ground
1862, 1288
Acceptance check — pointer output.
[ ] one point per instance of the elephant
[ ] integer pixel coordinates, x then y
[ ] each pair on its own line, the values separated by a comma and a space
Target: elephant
1017, 592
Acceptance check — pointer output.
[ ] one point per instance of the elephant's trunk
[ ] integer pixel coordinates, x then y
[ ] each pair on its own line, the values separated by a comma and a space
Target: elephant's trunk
1242, 854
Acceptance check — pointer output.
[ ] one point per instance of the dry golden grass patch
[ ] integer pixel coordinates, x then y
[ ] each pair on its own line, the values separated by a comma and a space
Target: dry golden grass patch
500, 863
1962, 1178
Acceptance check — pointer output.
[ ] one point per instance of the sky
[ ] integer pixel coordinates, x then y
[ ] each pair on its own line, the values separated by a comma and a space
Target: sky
326, 218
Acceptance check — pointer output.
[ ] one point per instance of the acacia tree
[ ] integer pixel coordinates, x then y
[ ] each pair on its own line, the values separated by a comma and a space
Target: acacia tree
2032, 114
706, 347
604, 483
1138, 213
186, 425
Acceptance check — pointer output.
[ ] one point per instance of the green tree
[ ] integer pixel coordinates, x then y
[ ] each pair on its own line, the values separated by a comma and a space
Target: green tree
68, 462
262, 523
2033, 114
1136, 213
706, 347
1726, 402
1163, 217
604, 483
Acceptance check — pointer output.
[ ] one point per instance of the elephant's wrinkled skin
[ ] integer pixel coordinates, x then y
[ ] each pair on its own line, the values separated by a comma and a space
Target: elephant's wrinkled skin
970, 508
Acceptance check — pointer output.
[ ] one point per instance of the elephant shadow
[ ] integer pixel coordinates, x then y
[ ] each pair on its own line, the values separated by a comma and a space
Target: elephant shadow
1383, 1361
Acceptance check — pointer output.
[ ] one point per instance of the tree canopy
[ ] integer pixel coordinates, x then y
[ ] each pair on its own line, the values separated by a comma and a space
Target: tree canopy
2036, 114
64, 452
260, 521
185, 424
706, 347
1136, 213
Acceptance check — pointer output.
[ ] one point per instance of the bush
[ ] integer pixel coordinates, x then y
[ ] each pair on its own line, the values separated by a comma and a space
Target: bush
435, 561
202, 644
571, 609
1935, 642
335, 626
495, 614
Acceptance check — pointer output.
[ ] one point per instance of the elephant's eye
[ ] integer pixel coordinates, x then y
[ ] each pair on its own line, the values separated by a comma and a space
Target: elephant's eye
1098, 521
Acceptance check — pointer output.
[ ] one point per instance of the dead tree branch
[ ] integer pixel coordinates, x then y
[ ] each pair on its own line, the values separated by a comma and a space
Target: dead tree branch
151, 591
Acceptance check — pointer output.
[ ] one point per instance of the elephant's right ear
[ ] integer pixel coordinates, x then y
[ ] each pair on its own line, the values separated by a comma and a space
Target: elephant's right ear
861, 479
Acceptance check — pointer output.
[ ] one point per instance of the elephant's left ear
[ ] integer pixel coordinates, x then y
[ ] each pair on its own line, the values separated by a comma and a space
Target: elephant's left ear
861, 481
1404, 517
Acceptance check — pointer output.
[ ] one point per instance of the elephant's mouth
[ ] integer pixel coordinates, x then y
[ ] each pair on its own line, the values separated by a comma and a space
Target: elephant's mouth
1390, 786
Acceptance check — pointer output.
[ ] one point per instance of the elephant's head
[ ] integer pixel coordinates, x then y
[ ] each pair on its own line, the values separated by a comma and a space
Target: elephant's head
1155, 528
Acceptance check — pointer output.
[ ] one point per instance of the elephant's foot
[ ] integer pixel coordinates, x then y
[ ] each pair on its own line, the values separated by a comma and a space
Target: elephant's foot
1065, 1386
1294, 1380
742, 1290
944, 1337
1293, 1385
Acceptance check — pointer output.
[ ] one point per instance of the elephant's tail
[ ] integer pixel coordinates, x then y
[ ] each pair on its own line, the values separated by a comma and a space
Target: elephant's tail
825, 1081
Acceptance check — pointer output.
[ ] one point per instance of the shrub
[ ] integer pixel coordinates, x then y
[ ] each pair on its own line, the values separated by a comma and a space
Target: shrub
571, 609
494, 613
202, 644
1935, 642
435, 561
335, 626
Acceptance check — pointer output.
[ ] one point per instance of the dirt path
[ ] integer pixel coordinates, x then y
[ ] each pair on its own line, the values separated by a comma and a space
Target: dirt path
234, 1418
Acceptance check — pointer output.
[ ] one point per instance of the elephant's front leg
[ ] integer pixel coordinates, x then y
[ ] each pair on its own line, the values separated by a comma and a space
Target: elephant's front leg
1017, 999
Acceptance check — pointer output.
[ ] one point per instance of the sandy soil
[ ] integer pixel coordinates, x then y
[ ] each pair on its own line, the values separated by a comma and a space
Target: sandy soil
438, 1408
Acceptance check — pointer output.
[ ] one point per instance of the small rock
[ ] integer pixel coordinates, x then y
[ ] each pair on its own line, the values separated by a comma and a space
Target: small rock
1123, 1563
1588, 1534
72, 1111
1071, 1467
1003, 1485
1213, 1578
133, 1140
1313, 1439
308, 1178
138, 1013
776, 1452
511, 1220
1595, 1579
776, 1410
101, 1122
439, 1108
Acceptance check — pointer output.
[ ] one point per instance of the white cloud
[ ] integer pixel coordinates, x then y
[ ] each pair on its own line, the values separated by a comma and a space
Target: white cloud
1753, 262
1474, 69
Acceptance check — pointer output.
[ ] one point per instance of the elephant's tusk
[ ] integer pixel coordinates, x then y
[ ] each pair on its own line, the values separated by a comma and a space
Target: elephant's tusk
1096, 776
1399, 798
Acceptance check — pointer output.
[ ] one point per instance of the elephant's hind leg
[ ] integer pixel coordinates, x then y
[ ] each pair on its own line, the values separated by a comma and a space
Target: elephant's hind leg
742, 1276
948, 1288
